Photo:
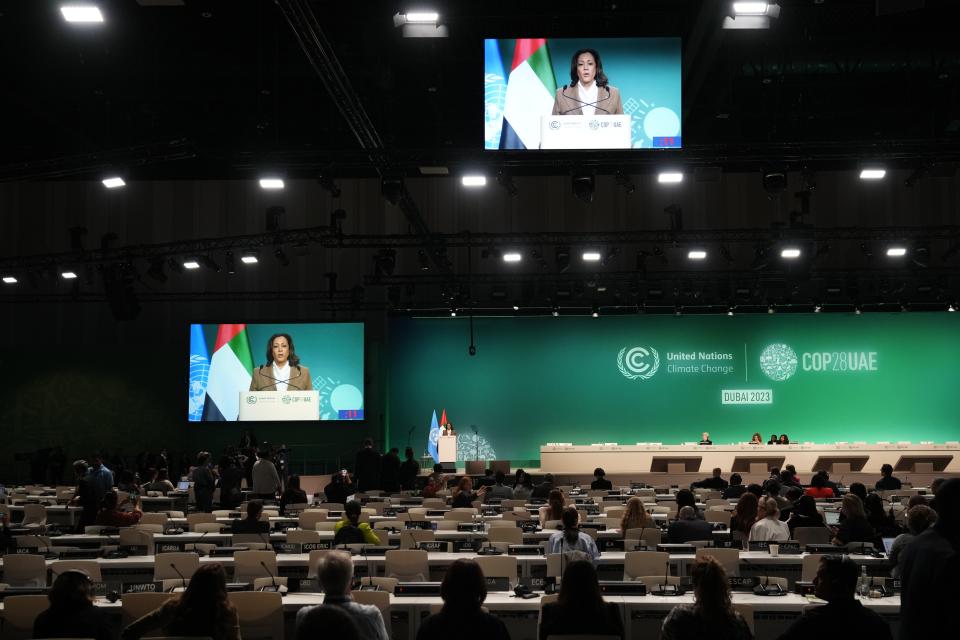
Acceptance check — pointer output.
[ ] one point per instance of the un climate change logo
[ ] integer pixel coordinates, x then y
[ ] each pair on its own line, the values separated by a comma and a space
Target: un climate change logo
638, 362
778, 362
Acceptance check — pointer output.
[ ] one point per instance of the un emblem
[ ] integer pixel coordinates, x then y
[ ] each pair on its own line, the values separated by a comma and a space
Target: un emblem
554, 124
779, 362
638, 362
251, 399
594, 125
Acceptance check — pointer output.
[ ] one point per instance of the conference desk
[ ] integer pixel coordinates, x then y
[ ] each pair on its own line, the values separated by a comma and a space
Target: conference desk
642, 615
836, 458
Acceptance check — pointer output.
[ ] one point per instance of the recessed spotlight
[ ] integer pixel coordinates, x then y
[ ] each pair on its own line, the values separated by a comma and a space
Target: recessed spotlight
191, 264
750, 8
422, 17
9, 280
951, 308
555, 311
697, 254
896, 252
790, 253
669, 177
114, 182
730, 311
512, 256
271, 183
249, 259
873, 174
516, 307
771, 309
68, 275
81, 13
595, 311
591, 256
817, 308
474, 181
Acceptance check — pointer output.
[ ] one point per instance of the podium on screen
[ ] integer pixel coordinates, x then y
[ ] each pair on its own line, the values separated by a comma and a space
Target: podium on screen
585, 132
279, 405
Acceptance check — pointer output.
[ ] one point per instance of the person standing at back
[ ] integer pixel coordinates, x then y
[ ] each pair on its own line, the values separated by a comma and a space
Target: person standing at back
101, 477
409, 470
204, 483
266, 480
929, 568
366, 467
843, 616
85, 496
390, 471
887, 481
711, 615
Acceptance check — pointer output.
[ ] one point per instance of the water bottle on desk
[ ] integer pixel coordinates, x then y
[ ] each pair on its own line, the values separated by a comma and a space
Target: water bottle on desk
863, 586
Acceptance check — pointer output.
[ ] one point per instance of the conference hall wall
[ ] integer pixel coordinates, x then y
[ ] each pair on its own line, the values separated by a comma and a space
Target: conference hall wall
629, 379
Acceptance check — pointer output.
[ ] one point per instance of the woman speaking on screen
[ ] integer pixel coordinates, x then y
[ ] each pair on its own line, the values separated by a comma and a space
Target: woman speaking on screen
589, 92
283, 371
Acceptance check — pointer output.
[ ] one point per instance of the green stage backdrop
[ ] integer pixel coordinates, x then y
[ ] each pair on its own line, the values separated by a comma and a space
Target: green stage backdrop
629, 379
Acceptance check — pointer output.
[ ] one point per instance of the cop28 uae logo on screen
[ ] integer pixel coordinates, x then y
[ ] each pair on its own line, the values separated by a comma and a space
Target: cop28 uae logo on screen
778, 362
638, 362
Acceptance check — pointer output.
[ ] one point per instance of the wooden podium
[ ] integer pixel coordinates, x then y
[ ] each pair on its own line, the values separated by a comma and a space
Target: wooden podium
447, 449
279, 405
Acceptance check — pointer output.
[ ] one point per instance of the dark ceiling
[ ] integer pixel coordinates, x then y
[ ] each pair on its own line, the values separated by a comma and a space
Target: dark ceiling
219, 89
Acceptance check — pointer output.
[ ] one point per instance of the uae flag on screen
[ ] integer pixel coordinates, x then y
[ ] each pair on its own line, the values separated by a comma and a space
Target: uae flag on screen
531, 90
231, 369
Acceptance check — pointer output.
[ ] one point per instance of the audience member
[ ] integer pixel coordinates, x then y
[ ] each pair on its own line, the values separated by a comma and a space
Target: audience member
500, 490
204, 483
580, 608
251, 523
571, 538
711, 615
770, 527
915, 500
72, 613
543, 489
202, 610
685, 498
635, 516
935, 485
793, 494
335, 575
326, 621
522, 485
600, 481
101, 477
464, 495
85, 496
772, 488
349, 529
293, 494
805, 514
919, 519
340, 489
744, 515
930, 566
366, 467
463, 591
714, 482
887, 481
266, 480
854, 527
755, 489
159, 481
409, 470
858, 489
553, 510
735, 489
843, 616
390, 471
487, 480
231, 479
818, 488
110, 514
8, 544
688, 527
883, 523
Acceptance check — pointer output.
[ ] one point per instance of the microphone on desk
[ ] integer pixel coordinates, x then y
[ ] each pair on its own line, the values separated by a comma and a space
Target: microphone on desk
183, 579
281, 589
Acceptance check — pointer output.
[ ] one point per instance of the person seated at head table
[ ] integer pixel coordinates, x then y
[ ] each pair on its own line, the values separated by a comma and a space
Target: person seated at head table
571, 538
756, 438
600, 481
705, 438
736, 488
110, 514
580, 607
335, 575
688, 527
712, 614
715, 482
783, 439
773, 439
203, 609
843, 616
349, 530
463, 591
72, 612
888, 482
252, 522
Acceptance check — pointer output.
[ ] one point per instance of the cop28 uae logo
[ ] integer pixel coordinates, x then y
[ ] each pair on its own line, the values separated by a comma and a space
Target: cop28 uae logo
779, 362
638, 362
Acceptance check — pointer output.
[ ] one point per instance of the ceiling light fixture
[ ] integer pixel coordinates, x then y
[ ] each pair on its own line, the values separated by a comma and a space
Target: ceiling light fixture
512, 256
271, 184
896, 252
81, 13
670, 177
191, 264
697, 254
114, 182
68, 275
249, 258
790, 253
750, 8
874, 173
591, 256
474, 181
9, 280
